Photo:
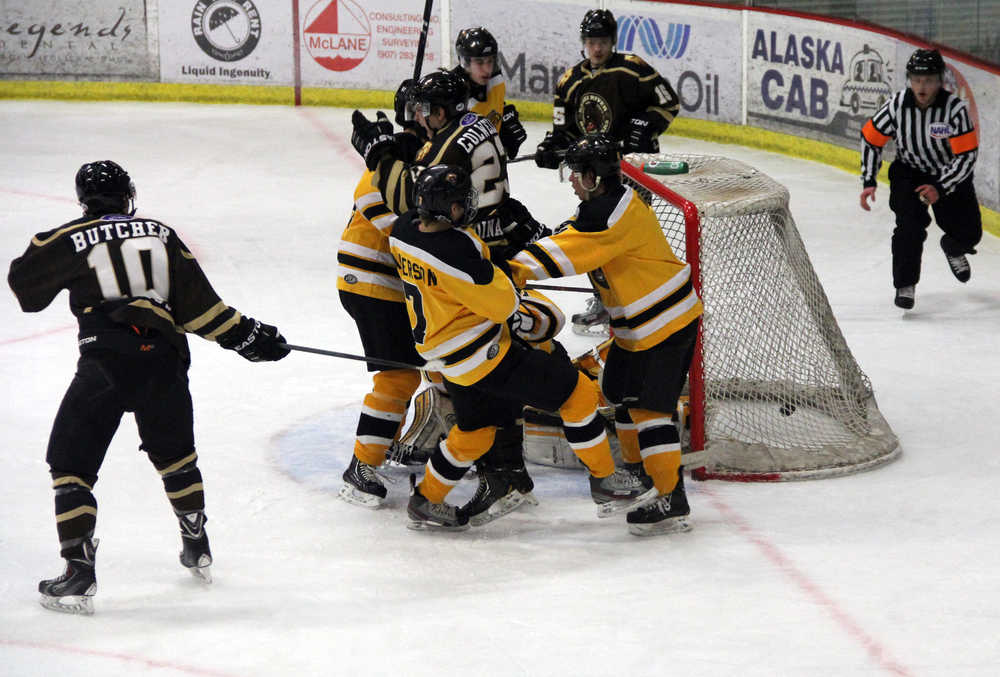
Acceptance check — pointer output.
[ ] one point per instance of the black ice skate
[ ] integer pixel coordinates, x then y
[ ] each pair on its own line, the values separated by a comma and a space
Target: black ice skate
196, 555
666, 515
594, 321
73, 591
425, 515
362, 486
905, 297
639, 472
495, 497
618, 492
522, 481
959, 264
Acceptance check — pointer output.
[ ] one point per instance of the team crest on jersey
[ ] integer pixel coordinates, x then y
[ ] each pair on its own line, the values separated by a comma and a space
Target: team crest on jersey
593, 115
350, 279
939, 130
493, 351
468, 119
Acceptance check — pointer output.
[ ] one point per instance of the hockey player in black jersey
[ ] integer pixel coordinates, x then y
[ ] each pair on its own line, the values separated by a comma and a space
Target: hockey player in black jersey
619, 95
611, 93
136, 291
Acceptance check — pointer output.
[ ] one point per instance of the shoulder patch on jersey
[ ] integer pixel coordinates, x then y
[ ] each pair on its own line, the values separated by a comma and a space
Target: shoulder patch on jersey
468, 119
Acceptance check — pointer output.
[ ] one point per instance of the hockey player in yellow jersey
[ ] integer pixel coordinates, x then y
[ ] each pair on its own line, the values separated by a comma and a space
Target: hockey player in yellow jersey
477, 52
655, 311
461, 309
372, 294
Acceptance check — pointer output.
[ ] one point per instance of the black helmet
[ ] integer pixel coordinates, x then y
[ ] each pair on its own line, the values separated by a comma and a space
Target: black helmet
404, 113
925, 62
599, 23
474, 42
104, 188
442, 88
598, 153
439, 187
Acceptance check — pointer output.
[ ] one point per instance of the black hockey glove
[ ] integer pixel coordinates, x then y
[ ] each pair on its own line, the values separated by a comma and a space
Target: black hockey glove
640, 137
519, 227
512, 133
372, 140
255, 341
551, 150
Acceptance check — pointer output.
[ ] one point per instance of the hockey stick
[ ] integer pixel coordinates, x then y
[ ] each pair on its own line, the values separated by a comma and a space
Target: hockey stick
432, 365
555, 287
428, 4
521, 158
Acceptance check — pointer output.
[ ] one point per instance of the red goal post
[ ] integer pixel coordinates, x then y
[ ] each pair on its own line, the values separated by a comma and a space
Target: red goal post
775, 393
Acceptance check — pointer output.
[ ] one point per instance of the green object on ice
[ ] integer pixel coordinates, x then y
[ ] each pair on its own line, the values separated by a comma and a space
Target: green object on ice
665, 167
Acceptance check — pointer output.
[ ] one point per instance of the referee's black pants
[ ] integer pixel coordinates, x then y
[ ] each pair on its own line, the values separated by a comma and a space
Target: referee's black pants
956, 214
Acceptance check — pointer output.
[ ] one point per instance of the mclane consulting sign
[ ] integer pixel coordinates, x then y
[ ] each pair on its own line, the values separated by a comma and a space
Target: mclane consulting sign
74, 39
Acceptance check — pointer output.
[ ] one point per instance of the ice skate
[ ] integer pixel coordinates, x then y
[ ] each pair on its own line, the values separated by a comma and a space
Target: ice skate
428, 516
362, 486
495, 497
959, 265
196, 556
523, 483
905, 297
666, 515
618, 492
594, 321
73, 592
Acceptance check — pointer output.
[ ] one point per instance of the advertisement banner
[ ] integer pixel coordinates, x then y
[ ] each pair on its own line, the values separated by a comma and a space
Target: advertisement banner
693, 48
240, 42
74, 39
365, 44
817, 80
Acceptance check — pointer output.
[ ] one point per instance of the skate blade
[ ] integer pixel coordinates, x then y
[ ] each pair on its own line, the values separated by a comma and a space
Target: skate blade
202, 574
592, 330
503, 506
81, 605
433, 526
614, 507
529, 499
355, 497
673, 525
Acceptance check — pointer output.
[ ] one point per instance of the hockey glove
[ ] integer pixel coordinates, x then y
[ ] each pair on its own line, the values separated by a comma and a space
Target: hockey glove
255, 341
551, 150
512, 133
640, 136
372, 140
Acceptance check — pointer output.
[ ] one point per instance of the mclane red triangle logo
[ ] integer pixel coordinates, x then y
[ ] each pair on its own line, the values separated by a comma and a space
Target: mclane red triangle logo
337, 34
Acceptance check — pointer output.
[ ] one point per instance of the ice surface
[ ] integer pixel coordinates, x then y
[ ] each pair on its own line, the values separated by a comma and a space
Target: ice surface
890, 572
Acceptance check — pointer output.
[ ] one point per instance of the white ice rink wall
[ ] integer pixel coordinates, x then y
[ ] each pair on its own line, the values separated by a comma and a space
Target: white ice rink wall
774, 79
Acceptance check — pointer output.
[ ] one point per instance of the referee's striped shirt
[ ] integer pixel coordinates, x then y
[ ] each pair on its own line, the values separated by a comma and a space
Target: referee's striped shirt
940, 141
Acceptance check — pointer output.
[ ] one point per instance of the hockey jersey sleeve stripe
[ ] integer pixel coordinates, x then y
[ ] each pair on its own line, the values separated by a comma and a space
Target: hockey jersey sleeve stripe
470, 349
873, 136
659, 322
374, 211
418, 254
654, 310
666, 291
366, 264
59, 233
547, 263
964, 142
367, 253
206, 317
457, 342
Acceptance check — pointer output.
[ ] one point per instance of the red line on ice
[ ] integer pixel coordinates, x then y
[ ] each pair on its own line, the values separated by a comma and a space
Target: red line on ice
773, 553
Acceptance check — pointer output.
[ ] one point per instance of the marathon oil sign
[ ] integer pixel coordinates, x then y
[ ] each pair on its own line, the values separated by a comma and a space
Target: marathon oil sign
815, 79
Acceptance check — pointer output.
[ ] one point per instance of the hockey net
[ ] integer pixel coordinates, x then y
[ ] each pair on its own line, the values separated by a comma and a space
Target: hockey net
775, 393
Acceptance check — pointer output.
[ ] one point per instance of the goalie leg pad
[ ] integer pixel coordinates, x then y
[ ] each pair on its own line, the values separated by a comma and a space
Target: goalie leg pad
433, 417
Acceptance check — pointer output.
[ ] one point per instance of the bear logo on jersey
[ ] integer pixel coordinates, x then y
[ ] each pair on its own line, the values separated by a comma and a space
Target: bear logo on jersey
939, 130
593, 115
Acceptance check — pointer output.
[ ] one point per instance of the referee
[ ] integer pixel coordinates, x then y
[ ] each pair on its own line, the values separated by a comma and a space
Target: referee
936, 149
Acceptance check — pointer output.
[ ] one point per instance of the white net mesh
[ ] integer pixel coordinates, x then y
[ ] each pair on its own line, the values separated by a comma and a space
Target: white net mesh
784, 397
